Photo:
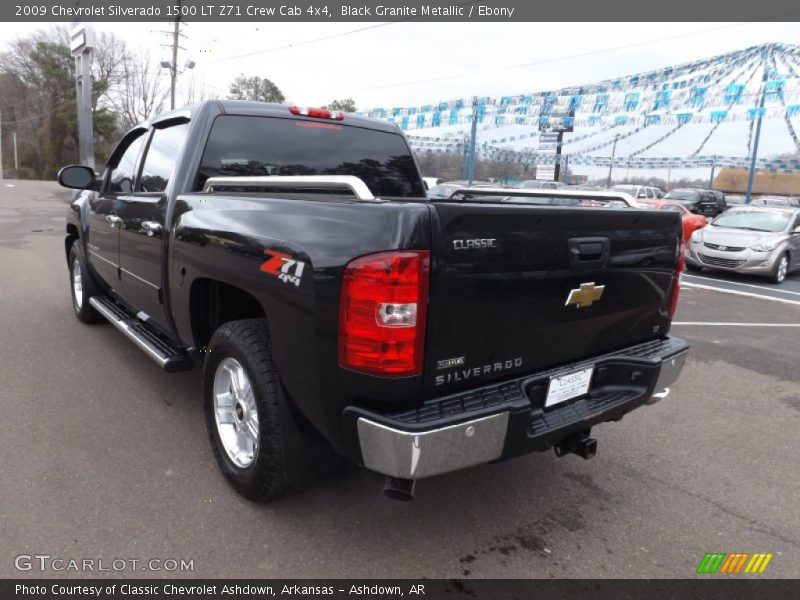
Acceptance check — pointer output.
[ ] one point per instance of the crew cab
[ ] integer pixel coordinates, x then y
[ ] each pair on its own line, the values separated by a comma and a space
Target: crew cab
335, 311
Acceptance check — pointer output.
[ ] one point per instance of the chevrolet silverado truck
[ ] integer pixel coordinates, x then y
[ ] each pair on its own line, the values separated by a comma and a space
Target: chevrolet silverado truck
337, 312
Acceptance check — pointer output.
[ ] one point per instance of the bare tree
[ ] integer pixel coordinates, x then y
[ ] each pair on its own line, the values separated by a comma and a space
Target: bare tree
197, 90
142, 93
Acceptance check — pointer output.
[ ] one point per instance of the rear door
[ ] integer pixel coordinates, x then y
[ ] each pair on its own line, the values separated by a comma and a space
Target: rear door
105, 208
516, 288
143, 214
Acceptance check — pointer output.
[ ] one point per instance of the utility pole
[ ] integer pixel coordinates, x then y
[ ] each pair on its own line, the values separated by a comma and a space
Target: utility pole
751, 176
669, 173
16, 164
473, 135
611, 164
176, 32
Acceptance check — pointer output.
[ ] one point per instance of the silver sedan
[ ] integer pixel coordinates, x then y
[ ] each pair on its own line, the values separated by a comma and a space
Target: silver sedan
755, 240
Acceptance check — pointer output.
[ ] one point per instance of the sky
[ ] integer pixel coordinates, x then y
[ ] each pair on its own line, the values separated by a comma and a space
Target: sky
406, 63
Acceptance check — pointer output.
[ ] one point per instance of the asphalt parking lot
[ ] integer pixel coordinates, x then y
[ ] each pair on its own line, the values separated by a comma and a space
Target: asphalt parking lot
106, 456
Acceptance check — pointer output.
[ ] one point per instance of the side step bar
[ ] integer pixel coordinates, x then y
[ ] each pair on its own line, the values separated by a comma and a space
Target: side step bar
170, 359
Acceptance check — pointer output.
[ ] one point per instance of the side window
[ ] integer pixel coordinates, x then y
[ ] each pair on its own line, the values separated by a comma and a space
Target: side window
650, 193
121, 180
162, 154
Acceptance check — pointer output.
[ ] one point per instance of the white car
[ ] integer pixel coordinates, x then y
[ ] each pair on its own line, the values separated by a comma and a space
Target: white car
639, 192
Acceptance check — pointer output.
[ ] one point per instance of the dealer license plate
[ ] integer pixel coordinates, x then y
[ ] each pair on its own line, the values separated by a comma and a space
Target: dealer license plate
569, 386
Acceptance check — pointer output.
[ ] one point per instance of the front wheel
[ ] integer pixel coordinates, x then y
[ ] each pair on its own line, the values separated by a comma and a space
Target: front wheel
242, 405
82, 286
781, 269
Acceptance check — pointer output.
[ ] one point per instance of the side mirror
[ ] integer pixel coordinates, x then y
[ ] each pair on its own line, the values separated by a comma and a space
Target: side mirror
77, 177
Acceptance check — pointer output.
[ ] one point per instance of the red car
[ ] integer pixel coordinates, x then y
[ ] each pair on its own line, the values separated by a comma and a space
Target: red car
691, 221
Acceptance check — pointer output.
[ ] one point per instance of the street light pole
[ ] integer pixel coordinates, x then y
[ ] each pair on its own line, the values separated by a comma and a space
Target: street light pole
713, 168
81, 45
611, 164
751, 176
473, 135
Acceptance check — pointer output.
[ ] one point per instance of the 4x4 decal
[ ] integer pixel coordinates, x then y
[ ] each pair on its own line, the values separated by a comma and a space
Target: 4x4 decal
284, 267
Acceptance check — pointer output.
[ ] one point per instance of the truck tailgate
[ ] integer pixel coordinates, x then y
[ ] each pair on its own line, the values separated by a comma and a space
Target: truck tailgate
507, 281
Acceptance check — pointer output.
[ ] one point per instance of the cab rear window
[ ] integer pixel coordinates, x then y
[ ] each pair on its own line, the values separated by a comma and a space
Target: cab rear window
264, 146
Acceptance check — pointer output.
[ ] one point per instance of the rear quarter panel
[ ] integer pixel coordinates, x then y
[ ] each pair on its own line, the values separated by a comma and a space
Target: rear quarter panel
225, 238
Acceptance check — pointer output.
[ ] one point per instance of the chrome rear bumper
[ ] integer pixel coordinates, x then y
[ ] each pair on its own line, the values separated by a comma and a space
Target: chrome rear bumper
413, 446
670, 371
416, 455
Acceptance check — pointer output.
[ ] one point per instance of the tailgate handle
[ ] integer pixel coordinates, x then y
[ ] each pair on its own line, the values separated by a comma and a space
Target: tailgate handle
589, 252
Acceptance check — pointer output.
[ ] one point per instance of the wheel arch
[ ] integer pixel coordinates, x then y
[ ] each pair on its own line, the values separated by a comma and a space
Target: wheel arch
72, 236
213, 302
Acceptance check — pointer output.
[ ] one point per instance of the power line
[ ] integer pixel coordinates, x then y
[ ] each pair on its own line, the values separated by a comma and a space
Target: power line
325, 37
560, 58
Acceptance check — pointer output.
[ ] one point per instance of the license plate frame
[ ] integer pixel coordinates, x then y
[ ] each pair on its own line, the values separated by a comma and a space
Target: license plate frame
568, 386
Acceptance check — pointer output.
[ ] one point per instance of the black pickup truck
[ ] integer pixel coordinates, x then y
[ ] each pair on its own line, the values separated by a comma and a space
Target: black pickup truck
292, 252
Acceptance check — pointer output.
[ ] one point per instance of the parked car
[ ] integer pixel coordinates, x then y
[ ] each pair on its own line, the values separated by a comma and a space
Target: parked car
640, 192
722, 202
446, 189
778, 201
691, 222
336, 311
537, 184
753, 240
701, 202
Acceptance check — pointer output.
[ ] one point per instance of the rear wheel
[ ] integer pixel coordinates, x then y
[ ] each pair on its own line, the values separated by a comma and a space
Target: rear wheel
82, 286
242, 404
781, 269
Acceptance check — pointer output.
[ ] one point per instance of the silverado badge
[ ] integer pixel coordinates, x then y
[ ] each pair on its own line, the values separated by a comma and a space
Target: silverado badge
586, 295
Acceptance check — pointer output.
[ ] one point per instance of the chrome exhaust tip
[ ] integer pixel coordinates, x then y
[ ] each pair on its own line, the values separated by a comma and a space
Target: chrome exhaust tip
399, 489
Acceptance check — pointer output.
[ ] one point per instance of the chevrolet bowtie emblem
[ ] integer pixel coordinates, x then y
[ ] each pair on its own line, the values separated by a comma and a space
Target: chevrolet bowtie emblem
586, 295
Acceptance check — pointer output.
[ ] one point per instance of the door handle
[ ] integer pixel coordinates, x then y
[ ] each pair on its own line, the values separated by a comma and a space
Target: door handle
113, 219
588, 252
151, 227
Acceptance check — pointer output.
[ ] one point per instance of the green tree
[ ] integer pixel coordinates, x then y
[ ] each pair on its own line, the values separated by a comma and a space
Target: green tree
38, 97
255, 88
344, 105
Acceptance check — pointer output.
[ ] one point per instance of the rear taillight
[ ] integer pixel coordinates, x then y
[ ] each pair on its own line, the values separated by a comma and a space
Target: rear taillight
317, 113
676, 285
382, 313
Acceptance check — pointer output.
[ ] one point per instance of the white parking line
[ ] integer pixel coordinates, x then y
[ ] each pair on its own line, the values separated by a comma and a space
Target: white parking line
702, 324
686, 284
752, 285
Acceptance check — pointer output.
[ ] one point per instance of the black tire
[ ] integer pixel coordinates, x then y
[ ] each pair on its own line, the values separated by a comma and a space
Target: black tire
248, 342
778, 275
693, 268
83, 310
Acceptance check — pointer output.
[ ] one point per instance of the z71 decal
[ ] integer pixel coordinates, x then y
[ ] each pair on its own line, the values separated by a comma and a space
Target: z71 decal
284, 267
